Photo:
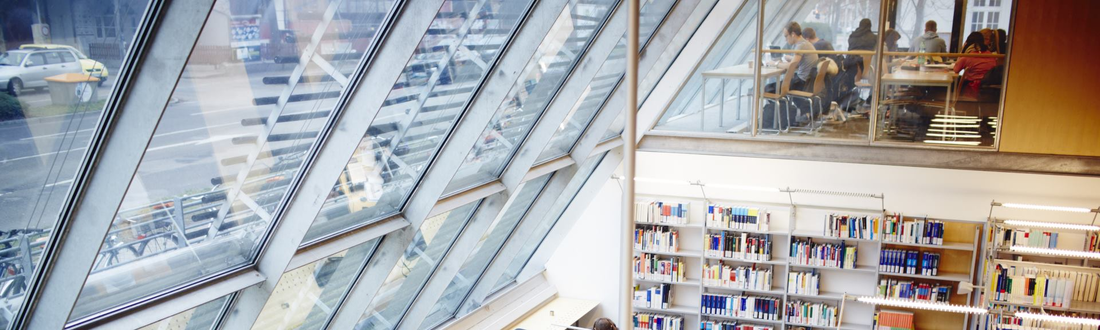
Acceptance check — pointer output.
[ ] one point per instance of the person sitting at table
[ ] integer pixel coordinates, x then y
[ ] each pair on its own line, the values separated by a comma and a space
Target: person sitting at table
862, 38
974, 68
803, 64
975, 43
811, 35
891, 39
929, 42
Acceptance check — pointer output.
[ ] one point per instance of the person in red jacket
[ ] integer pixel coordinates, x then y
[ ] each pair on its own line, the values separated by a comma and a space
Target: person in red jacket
974, 68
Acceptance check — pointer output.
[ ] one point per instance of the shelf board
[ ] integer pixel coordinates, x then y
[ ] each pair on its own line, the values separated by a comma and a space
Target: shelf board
945, 246
682, 253
774, 292
821, 295
674, 309
1006, 250
858, 269
844, 326
769, 262
676, 225
750, 231
745, 319
818, 235
941, 277
691, 282
1076, 306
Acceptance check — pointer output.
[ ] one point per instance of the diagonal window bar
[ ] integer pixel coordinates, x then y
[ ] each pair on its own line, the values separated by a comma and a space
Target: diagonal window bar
548, 69
607, 79
438, 82
260, 86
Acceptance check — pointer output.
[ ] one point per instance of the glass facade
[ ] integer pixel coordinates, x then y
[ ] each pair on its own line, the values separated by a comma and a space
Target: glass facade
439, 80
57, 73
206, 316
539, 81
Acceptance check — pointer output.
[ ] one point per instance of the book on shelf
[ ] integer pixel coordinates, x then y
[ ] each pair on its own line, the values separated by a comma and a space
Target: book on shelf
742, 306
656, 239
741, 246
1092, 242
728, 325
653, 267
651, 321
998, 321
1036, 238
912, 290
893, 320
1042, 288
658, 296
657, 212
834, 255
738, 218
853, 227
909, 262
742, 277
811, 313
896, 229
804, 283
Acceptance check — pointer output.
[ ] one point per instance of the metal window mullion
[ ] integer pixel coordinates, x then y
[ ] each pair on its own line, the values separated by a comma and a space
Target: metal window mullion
378, 268
452, 262
566, 96
519, 237
660, 45
481, 109
169, 31
572, 213
149, 314
353, 113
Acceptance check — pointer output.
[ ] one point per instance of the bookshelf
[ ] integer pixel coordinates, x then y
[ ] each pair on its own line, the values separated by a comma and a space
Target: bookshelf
1056, 243
793, 220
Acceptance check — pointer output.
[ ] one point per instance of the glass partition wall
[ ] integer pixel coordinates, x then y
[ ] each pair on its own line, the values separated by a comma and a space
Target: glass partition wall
843, 71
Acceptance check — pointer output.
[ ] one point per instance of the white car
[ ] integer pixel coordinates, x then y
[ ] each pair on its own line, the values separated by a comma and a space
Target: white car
27, 68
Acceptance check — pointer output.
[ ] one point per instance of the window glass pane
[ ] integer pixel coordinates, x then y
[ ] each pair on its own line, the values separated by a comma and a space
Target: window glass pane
491, 242
405, 280
254, 94
952, 98
606, 80
306, 297
205, 316
46, 127
534, 238
440, 78
539, 81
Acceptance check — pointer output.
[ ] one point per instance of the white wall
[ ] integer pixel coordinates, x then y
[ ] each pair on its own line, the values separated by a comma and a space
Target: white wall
584, 265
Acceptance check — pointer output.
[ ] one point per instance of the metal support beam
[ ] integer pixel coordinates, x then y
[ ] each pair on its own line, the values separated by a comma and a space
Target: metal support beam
359, 105
359, 297
626, 235
151, 313
160, 51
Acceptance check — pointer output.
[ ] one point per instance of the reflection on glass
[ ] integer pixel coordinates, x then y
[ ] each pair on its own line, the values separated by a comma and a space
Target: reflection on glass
306, 297
203, 317
53, 88
539, 81
487, 248
421, 258
453, 58
258, 86
651, 14
534, 237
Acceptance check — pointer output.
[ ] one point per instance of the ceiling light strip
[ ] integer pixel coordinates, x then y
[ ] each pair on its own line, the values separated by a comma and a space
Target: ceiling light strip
925, 305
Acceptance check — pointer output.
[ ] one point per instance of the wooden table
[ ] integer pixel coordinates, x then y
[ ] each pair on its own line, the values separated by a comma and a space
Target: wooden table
740, 72
932, 78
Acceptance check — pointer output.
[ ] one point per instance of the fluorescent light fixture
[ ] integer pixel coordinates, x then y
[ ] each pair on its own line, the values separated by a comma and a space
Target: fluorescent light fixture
666, 181
925, 305
1058, 318
1051, 225
967, 143
1056, 252
1047, 207
740, 187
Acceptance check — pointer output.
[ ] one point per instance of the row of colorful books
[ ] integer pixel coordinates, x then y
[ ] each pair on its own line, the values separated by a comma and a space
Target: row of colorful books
893, 320
854, 227
656, 239
651, 321
753, 307
653, 267
728, 325
895, 228
743, 277
901, 289
657, 212
1037, 287
739, 246
835, 255
1028, 237
805, 283
738, 218
909, 262
812, 313
657, 296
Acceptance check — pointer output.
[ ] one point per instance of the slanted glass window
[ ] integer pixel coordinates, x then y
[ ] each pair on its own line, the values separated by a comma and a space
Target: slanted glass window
438, 82
257, 89
539, 81
611, 73
487, 248
546, 222
44, 139
306, 297
206, 316
422, 257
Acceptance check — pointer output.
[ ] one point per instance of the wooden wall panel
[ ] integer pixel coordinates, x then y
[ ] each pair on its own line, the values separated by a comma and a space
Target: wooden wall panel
1052, 105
